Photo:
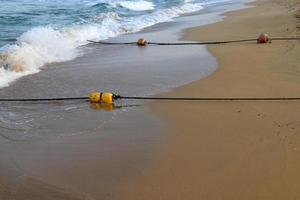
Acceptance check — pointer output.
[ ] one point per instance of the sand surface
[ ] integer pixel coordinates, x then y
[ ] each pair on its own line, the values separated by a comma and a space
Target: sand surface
234, 150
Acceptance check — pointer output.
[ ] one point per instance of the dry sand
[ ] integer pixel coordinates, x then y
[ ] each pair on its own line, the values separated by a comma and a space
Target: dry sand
234, 150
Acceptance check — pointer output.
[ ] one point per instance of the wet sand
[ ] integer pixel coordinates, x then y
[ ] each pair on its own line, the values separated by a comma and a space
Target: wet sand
234, 150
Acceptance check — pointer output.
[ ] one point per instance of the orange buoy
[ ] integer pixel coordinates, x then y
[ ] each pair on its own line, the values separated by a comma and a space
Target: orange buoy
107, 98
142, 42
263, 38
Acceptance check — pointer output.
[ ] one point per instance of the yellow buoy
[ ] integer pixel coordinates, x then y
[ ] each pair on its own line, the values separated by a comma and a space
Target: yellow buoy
95, 97
99, 97
107, 98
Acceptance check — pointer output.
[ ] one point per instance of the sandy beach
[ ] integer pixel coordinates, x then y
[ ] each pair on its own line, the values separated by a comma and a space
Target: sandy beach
163, 150
233, 150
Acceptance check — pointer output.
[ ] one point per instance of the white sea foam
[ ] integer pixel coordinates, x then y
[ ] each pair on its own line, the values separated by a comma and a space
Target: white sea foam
137, 5
42, 45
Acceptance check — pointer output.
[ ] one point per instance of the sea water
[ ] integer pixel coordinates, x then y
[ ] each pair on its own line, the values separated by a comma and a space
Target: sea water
34, 33
50, 37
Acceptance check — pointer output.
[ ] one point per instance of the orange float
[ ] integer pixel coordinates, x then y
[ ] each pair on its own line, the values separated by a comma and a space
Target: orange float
263, 38
142, 42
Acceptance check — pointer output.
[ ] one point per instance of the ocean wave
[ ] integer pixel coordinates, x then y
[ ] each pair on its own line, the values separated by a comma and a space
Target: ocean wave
40, 46
47, 44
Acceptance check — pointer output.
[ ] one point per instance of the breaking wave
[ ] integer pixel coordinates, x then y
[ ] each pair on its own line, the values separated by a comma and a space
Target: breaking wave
42, 45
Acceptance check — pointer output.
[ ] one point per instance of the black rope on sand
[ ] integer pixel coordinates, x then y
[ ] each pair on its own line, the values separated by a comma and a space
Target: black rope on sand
201, 43
193, 43
212, 98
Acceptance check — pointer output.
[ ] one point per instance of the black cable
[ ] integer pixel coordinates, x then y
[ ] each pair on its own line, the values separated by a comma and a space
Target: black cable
45, 99
201, 43
292, 38
192, 43
213, 98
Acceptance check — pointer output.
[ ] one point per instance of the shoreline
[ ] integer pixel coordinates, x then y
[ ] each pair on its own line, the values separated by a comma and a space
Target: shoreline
233, 150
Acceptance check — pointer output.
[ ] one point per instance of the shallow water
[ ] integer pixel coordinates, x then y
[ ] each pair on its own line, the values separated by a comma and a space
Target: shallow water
125, 70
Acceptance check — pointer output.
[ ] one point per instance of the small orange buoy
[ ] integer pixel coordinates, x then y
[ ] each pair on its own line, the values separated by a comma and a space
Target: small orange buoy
263, 38
142, 42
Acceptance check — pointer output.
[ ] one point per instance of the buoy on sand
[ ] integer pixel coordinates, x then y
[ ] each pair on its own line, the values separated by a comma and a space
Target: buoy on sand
263, 38
142, 42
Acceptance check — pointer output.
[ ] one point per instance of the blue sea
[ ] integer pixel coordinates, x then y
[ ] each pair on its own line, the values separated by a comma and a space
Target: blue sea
34, 33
